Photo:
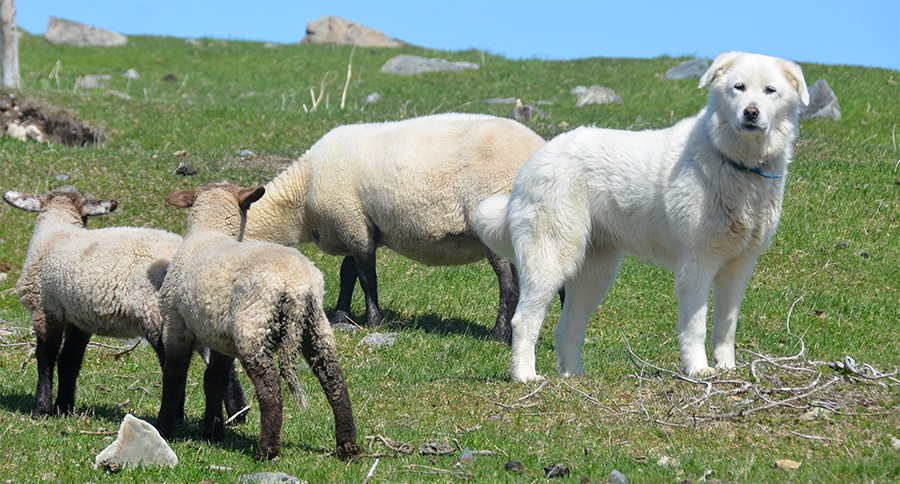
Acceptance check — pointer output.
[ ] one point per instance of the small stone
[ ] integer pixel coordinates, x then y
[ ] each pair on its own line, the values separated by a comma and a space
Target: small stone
578, 90
138, 443
433, 447
185, 169
787, 464
131, 74
616, 477
180, 153
245, 153
843, 245
555, 470
62, 177
598, 95
345, 328
95, 81
895, 443
588, 450
816, 413
3, 277
268, 478
514, 466
466, 457
379, 340
372, 99
170, 78
119, 94
666, 461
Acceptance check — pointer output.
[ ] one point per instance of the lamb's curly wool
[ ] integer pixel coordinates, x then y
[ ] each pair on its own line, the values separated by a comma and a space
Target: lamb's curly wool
83, 282
252, 301
412, 186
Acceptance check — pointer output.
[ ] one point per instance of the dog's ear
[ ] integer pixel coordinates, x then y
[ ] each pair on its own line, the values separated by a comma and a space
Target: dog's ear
22, 201
182, 199
720, 65
794, 75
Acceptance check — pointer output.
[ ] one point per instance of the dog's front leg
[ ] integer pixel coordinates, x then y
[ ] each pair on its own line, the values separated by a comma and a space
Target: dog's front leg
728, 292
692, 283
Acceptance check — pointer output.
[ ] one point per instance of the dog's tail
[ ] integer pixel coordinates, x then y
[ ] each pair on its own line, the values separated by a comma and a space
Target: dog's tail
490, 223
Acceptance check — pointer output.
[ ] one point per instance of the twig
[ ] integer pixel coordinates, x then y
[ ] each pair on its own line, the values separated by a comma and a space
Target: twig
435, 470
13, 345
396, 446
744, 413
126, 351
349, 73
237, 414
586, 396
371, 470
814, 437
98, 432
535, 392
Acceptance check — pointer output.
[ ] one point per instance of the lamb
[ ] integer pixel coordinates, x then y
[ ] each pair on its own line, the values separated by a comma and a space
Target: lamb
412, 186
250, 300
83, 282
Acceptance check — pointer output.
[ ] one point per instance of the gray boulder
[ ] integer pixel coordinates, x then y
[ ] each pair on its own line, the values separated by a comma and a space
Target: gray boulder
335, 30
598, 95
822, 102
694, 68
138, 443
407, 65
67, 32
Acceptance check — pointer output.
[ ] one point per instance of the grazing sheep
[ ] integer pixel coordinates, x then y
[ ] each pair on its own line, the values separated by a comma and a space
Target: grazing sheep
83, 282
250, 300
412, 186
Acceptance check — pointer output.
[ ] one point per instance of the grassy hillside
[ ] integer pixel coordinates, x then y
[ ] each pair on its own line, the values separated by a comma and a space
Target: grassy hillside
836, 255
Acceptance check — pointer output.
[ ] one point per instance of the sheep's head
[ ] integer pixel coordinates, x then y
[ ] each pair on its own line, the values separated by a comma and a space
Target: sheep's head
214, 206
64, 200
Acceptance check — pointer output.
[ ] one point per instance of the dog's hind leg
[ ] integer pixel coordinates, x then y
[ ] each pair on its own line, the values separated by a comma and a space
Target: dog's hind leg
729, 286
584, 292
692, 283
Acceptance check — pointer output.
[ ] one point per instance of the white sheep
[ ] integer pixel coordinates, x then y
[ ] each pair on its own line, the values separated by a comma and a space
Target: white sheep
412, 186
83, 282
250, 300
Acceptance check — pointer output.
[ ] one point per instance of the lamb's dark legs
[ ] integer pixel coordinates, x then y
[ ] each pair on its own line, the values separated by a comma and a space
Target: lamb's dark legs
319, 351
215, 381
368, 280
268, 393
235, 401
171, 408
68, 367
509, 296
48, 338
345, 296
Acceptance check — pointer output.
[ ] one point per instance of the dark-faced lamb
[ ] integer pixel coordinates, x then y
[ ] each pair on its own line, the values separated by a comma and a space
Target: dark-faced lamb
412, 186
79, 282
247, 300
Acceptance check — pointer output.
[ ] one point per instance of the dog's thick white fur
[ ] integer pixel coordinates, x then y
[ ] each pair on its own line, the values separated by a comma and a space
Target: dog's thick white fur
702, 197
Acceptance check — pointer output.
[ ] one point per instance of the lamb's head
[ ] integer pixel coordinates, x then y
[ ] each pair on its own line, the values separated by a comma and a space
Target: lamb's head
220, 207
61, 205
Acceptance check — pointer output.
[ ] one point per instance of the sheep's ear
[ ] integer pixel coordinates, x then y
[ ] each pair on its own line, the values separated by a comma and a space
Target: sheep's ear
92, 207
247, 196
182, 199
720, 66
794, 75
29, 203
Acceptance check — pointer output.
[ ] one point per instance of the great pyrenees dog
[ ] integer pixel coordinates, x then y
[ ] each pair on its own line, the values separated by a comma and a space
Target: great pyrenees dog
702, 197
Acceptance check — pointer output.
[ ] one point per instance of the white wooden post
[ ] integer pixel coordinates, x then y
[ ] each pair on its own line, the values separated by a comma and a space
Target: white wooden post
9, 36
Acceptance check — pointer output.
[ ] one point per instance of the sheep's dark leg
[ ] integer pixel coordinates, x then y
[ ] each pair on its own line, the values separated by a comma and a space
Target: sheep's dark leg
48, 337
235, 401
68, 367
171, 408
215, 380
264, 375
318, 348
509, 296
345, 296
368, 280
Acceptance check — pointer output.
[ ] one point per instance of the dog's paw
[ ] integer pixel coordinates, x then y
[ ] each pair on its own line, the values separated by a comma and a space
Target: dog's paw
526, 378
724, 367
702, 373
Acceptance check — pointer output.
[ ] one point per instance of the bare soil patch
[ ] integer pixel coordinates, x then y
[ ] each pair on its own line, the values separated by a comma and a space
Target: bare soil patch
60, 126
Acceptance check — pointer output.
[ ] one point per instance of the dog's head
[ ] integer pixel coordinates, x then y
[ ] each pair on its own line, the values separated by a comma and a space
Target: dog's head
755, 93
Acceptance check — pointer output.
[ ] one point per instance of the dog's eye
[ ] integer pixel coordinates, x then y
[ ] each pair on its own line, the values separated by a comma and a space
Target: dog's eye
740, 87
769, 90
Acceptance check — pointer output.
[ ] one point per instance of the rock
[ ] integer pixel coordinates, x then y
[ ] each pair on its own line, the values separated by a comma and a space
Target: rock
245, 153
816, 413
598, 95
372, 99
514, 466
16, 131
822, 102
131, 75
138, 443
895, 443
433, 447
666, 461
694, 68
170, 78
466, 457
185, 169
94, 81
408, 65
119, 94
62, 177
345, 328
578, 90
379, 340
3, 277
525, 112
787, 464
616, 477
67, 32
555, 470
336, 30
268, 478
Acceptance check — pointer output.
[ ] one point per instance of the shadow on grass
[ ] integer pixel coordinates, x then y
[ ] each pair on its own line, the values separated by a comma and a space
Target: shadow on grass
429, 323
235, 438
23, 403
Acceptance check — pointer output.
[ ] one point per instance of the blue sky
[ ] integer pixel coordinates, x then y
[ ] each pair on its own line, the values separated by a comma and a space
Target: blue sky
858, 32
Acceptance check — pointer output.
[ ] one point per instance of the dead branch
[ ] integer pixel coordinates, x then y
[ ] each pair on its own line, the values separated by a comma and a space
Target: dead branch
394, 445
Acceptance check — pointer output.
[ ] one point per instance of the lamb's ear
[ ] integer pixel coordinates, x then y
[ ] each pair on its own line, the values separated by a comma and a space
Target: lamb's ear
29, 203
90, 207
794, 75
246, 196
720, 65
183, 199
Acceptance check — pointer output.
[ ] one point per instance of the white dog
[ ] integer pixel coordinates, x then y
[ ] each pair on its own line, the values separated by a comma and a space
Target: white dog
702, 198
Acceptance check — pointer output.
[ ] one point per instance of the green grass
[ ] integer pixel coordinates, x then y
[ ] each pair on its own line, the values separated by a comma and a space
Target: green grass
837, 247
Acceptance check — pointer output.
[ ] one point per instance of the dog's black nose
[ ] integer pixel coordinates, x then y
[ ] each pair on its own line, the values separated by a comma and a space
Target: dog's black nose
751, 113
